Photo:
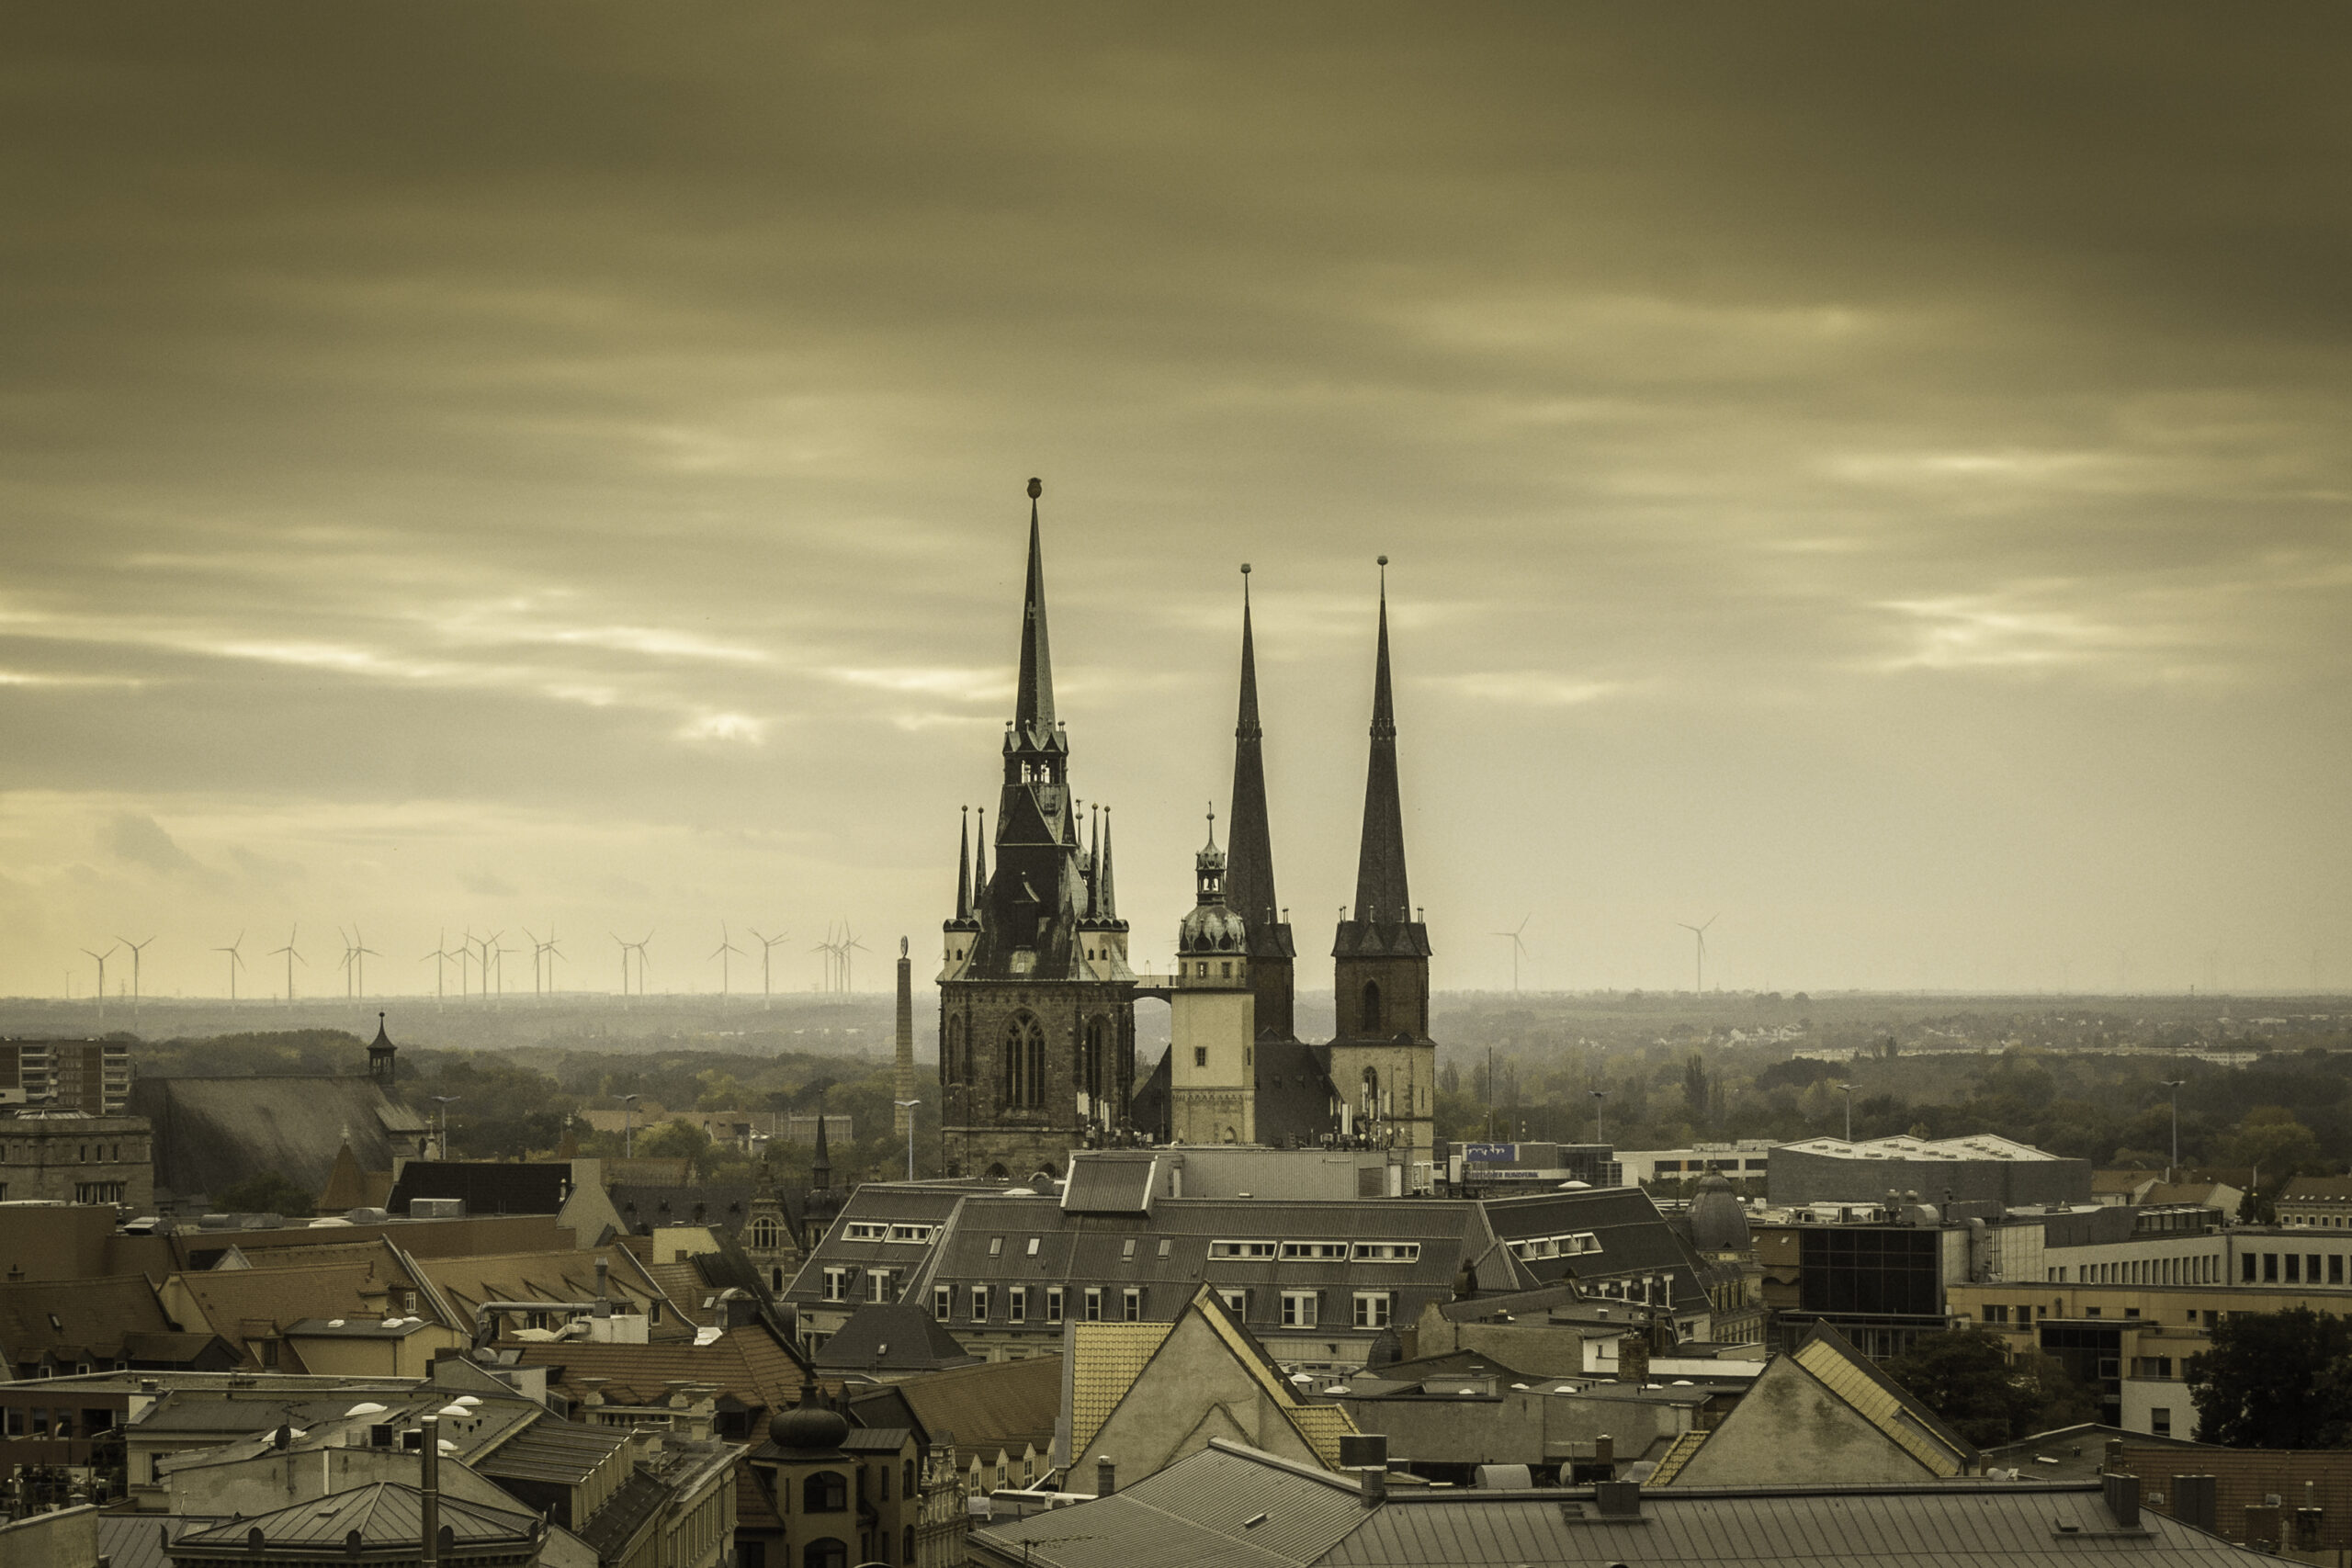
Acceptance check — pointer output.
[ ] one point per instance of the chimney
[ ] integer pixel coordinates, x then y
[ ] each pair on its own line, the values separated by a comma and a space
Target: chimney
1604, 1451
1106, 1476
2193, 1503
1367, 1454
1618, 1499
2122, 1498
431, 1449
2307, 1523
2262, 1526
1633, 1359
603, 1286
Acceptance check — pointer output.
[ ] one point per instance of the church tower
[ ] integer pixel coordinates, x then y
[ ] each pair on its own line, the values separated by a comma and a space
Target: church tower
1036, 1004
1212, 1038
1384, 1064
1250, 877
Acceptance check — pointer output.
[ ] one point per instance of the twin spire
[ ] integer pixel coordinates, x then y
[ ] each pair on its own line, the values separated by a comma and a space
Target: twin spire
1382, 896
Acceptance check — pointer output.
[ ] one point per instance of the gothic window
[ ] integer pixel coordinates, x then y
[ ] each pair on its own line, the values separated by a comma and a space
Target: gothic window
1372, 1090
824, 1493
1025, 1061
1372, 1007
766, 1235
1098, 1063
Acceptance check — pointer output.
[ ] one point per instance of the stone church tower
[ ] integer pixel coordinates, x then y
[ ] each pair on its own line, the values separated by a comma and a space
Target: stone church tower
1036, 1003
1212, 1038
1383, 1062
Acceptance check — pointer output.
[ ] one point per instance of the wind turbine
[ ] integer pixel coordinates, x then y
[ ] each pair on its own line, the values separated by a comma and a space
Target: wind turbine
1518, 950
464, 957
440, 958
102, 958
538, 952
849, 944
293, 958
767, 949
833, 952
551, 952
498, 960
360, 953
638, 947
624, 947
236, 962
1700, 933
726, 946
344, 962
139, 947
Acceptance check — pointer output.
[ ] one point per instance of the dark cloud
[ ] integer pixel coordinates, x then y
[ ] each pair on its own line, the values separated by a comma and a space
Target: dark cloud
1879, 467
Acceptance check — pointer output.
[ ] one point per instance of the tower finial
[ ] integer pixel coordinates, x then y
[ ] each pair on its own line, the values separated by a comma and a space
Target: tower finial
964, 868
1036, 489
1032, 711
1380, 889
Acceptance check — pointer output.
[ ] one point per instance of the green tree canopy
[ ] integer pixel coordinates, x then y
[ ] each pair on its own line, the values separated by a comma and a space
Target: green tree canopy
1968, 1378
2275, 1379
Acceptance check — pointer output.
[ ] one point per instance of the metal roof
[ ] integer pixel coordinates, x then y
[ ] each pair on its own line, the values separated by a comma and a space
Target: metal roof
383, 1513
563, 1451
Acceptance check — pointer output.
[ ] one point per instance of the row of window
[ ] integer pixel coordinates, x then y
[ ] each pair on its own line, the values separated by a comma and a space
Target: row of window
43, 1152
877, 1230
1317, 1251
1299, 1309
1571, 1245
2200, 1269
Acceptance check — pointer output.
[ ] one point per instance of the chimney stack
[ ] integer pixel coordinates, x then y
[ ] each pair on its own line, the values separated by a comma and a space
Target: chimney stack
1106, 1476
1604, 1451
2122, 1498
431, 1447
2193, 1501
1618, 1499
1633, 1359
1367, 1454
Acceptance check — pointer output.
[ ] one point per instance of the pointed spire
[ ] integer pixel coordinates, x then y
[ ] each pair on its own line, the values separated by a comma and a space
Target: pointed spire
1106, 891
820, 1166
980, 862
1249, 867
1382, 896
1033, 713
1094, 865
963, 870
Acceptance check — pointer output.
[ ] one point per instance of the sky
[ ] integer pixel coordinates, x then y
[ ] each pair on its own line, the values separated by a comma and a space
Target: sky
1872, 477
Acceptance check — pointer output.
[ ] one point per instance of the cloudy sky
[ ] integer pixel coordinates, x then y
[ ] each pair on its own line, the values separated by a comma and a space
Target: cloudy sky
1876, 475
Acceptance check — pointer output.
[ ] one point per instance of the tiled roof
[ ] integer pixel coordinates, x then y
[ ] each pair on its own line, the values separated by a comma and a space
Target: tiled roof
2325, 1189
237, 1303
997, 1404
73, 1318
1916, 1429
2244, 1477
748, 1362
1677, 1455
211, 1133
897, 1337
1106, 1360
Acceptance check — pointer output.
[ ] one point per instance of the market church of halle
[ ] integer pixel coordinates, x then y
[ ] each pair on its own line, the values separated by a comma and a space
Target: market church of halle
1036, 999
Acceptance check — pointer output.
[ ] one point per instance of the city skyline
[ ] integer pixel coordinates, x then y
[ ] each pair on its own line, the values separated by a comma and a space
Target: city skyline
1878, 481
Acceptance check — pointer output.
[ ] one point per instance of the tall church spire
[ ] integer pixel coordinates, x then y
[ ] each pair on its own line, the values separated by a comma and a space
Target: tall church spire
1033, 712
980, 864
1106, 889
963, 870
1381, 894
1249, 865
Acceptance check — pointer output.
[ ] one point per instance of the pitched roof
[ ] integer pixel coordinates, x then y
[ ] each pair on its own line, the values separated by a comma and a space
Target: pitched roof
997, 1404
899, 1336
211, 1133
239, 1304
1883, 1403
383, 1513
73, 1319
1106, 1360
552, 1276
749, 1362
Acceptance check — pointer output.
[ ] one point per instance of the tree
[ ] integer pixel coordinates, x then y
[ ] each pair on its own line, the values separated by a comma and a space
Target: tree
2275, 1379
269, 1193
2274, 1140
1967, 1377
678, 1140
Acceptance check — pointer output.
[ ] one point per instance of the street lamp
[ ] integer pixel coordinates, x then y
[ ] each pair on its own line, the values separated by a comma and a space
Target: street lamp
909, 1107
1597, 1096
2170, 1170
1847, 1090
446, 1101
628, 1125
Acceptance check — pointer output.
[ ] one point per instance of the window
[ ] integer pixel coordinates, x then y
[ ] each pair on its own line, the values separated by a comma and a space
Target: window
1996, 1314
1053, 1303
1093, 1305
1016, 1304
2245, 1267
1131, 1305
766, 1235
2336, 1268
1316, 1251
826, 1492
1387, 1251
1033, 1246
1164, 1244
979, 1303
1235, 1303
1298, 1309
837, 1284
1025, 1061
1241, 1249
1370, 1007
1127, 1250
877, 1285
2160, 1420
1200, 1056
918, 1234
1372, 1308
996, 1246
864, 1230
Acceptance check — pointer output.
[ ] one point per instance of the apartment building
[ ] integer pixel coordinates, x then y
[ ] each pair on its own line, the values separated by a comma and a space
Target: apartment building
90, 1076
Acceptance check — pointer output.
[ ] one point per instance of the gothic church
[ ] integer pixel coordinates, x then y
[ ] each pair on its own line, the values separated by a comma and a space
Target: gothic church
1036, 1012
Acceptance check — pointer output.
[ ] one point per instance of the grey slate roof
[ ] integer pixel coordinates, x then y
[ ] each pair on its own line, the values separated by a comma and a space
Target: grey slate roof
1196, 1514
1636, 1239
897, 1337
384, 1512
562, 1452
211, 1133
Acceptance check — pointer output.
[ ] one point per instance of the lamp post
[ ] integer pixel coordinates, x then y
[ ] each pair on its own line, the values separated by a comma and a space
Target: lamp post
1848, 1089
2171, 1170
628, 1125
444, 1101
909, 1107
1597, 1096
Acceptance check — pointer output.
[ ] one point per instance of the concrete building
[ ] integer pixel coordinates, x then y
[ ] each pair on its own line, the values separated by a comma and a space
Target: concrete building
1748, 1160
68, 1157
89, 1076
1980, 1169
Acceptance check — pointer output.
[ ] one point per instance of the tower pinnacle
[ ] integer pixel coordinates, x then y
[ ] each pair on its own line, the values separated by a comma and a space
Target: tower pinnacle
1382, 896
1033, 713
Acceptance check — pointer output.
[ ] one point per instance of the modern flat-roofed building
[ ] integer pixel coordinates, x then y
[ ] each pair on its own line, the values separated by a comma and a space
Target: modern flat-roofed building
1981, 1168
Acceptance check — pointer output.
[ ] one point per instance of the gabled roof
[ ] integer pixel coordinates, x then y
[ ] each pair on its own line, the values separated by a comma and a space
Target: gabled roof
899, 1336
242, 1304
750, 1362
1885, 1403
210, 1133
997, 1404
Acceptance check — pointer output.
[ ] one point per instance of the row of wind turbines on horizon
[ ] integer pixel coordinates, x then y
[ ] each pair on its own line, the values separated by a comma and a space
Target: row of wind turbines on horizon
480, 961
